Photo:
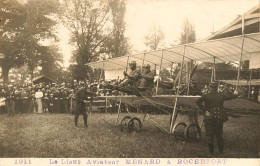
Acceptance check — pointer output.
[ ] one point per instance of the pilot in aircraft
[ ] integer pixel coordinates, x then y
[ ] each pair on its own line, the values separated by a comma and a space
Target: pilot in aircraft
131, 78
145, 83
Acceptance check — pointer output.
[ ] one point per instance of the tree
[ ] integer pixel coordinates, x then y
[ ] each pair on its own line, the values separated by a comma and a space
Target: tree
88, 22
22, 30
154, 38
38, 26
188, 34
12, 19
50, 62
118, 44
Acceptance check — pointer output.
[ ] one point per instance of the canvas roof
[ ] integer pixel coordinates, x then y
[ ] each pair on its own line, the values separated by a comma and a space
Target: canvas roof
42, 78
251, 25
224, 50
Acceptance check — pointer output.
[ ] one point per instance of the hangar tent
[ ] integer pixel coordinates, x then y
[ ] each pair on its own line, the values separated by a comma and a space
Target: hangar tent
41, 79
246, 23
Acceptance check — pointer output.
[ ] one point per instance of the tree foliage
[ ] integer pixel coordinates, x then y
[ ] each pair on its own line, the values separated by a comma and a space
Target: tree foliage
188, 34
118, 44
89, 22
12, 20
23, 28
38, 27
154, 38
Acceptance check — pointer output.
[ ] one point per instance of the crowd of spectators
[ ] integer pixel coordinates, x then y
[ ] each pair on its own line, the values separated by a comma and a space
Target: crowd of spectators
39, 98
251, 94
59, 98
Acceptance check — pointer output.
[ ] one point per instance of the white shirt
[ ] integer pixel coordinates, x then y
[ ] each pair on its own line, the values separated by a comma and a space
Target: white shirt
38, 95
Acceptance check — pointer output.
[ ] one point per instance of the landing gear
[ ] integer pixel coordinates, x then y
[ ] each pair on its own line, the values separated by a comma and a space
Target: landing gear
125, 121
179, 130
192, 132
134, 124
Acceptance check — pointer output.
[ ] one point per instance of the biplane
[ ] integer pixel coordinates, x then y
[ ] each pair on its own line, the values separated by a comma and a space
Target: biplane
231, 49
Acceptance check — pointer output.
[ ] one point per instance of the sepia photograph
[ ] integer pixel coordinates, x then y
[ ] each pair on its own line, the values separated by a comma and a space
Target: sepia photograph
129, 82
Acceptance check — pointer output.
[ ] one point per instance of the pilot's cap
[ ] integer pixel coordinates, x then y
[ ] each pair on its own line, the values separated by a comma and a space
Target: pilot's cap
132, 63
146, 66
213, 85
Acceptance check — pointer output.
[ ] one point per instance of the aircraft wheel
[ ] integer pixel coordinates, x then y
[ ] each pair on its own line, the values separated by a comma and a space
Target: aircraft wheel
125, 120
192, 132
134, 125
178, 130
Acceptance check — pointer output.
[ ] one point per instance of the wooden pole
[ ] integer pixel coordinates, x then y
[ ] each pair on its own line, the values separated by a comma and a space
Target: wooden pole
189, 77
159, 74
118, 111
249, 86
241, 53
143, 62
214, 71
100, 78
127, 64
171, 71
176, 98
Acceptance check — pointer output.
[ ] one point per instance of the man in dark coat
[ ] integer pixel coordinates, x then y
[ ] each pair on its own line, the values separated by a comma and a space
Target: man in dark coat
211, 105
80, 96
132, 77
146, 82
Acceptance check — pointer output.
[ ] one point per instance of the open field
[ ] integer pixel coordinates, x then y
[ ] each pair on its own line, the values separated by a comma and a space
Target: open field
54, 135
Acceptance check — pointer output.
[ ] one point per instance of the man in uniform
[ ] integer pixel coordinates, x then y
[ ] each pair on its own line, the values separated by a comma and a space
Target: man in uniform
131, 78
80, 96
145, 84
129, 81
211, 105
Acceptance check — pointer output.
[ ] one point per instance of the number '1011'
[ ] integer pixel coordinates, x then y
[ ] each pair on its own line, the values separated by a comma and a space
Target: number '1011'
22, 161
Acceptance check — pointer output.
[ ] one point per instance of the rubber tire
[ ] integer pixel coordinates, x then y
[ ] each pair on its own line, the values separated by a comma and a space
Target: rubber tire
125, 118
175, 127
132, 128
187, 132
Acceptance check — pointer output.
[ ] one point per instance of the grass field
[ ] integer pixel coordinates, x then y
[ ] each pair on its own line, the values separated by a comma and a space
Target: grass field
54, 135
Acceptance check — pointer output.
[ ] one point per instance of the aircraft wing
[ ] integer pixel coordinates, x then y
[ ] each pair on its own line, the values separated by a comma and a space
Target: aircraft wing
158, 100
167, 100
222, 50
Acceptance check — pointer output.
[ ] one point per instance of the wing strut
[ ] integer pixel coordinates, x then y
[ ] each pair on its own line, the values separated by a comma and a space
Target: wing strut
176, 99
143, 62
159, 74
249, 86
213, 71
241, 53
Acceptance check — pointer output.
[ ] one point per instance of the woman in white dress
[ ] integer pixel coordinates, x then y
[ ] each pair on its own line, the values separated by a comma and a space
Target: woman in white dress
38, 96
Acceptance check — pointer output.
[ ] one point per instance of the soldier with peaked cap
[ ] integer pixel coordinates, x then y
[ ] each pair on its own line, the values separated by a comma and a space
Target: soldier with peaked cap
146, 82
133, 76
212, 107
147, 77
80, 97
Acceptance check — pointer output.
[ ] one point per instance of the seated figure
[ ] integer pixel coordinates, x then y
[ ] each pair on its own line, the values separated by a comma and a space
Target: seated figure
146, 82
132, 78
